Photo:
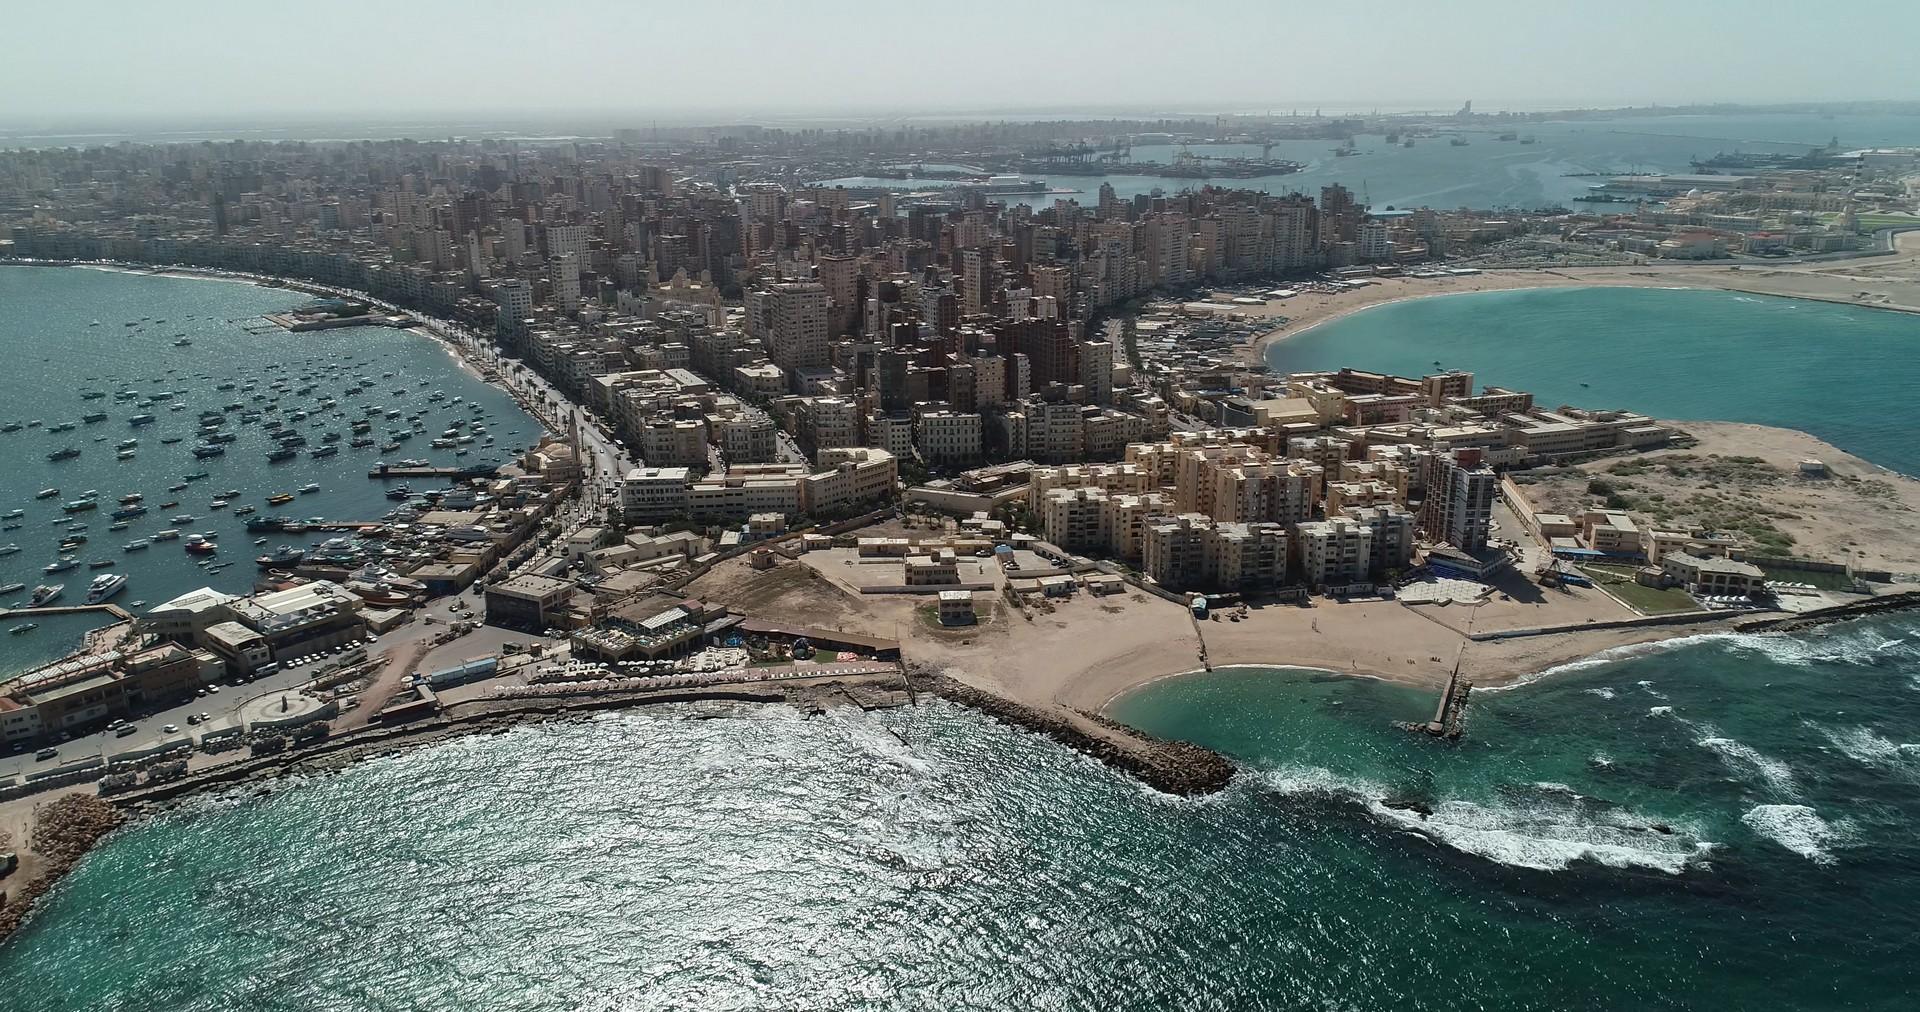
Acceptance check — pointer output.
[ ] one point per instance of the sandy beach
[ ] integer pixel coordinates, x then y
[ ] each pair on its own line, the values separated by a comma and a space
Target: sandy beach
1890, 282
1084, 651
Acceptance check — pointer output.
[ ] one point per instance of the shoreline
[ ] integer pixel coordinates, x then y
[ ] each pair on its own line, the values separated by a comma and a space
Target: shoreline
1818, 286
1075, 686
1170, 766
1749, 625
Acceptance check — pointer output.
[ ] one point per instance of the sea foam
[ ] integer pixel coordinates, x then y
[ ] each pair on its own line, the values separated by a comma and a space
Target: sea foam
1546, 826
1796, 827
1743, 758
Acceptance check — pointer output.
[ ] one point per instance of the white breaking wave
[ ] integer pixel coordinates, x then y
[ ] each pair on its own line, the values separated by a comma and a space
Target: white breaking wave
1867, 748
879, 743
1605, 657
1603, 692
1546, 838
1844, 645
1837, 645
1796, 827
1659, 711
1745, 759
1550, 834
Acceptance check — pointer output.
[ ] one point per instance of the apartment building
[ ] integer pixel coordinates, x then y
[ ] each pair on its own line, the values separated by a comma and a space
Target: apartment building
654, 493
1390, 541
1190, 552
1458, 509
854, 476
947, 438
1335, 553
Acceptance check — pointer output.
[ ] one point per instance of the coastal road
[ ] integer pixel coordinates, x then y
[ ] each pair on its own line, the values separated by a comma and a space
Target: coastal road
218, 705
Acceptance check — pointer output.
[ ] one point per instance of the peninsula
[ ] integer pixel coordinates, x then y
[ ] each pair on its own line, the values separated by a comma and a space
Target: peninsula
822, 446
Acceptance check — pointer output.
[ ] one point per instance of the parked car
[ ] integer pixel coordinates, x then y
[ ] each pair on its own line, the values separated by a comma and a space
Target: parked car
171, 729
45, 753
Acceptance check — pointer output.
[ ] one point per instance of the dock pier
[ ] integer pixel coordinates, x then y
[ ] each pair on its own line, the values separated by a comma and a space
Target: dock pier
479, 471
66, 609
1450, 716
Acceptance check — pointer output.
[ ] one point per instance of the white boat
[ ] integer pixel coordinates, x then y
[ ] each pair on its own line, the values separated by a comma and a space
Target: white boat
104, 587
9, 549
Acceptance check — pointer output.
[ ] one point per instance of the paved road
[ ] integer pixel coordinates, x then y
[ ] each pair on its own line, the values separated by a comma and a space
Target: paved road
219, 705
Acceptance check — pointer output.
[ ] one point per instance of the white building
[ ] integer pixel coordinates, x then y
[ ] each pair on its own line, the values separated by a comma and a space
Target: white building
948, 437
654, 493
854, 476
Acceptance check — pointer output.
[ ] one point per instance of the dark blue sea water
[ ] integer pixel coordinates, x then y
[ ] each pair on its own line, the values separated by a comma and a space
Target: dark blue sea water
55, 353
1841, 373
1725, 823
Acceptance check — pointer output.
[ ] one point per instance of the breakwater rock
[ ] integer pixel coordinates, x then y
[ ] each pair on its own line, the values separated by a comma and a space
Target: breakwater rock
1173, 767
1904, 601
64, 829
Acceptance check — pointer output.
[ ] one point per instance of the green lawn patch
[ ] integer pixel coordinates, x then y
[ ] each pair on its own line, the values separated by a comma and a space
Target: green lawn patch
1618, 581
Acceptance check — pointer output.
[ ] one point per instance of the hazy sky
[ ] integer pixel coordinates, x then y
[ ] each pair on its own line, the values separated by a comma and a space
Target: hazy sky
68, 62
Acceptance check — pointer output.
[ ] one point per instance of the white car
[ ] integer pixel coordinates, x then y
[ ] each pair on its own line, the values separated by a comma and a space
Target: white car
171, 729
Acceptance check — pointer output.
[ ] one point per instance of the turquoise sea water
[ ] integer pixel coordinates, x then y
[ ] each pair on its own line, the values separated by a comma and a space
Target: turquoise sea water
1491, 173
1841, 373
1723, 824
54, 353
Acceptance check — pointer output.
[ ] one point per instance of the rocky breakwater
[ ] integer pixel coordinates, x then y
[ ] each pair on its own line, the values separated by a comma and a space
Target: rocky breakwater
1174, 767
64, 829
1906, 600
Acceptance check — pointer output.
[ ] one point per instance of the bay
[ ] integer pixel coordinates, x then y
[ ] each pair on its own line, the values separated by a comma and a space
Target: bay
1839, 372
56, 352
1562, 163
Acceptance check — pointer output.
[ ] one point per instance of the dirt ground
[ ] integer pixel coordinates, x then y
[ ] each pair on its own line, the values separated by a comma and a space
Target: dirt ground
1745, 480
1084, 651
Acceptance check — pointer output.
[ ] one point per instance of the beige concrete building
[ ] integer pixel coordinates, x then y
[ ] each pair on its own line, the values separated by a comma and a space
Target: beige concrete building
1390, 537
1119, 478
1336, 552
940, 569
1611, 531
854, 476
1075, 519
1712, 575
1191, 551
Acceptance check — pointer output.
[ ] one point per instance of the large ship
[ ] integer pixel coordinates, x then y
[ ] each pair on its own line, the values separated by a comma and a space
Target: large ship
1011, 184
285, 555
104, 587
